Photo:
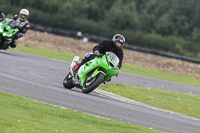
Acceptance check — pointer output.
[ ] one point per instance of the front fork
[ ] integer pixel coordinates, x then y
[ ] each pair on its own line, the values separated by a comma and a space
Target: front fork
91, 76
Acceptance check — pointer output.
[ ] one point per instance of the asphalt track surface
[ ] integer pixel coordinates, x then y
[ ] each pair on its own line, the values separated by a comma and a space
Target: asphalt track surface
41, 79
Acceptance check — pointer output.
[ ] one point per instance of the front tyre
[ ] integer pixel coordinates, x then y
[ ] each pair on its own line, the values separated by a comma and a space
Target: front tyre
91, 85
67, 82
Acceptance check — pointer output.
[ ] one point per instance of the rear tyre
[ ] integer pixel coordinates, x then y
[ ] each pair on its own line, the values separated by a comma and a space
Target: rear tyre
67, 82
91, 85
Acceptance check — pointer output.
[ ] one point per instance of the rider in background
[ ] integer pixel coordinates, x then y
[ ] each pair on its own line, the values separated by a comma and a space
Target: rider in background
115, 45
19, 21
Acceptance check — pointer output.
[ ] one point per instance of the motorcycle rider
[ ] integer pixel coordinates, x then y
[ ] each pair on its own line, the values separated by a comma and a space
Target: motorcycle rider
19, 21
115, 45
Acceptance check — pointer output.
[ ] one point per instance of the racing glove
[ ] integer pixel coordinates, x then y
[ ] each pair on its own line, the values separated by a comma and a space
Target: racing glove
96, 53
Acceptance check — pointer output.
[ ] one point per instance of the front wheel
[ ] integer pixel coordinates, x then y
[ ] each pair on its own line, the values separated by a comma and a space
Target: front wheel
3, 45
93, 84
67, 82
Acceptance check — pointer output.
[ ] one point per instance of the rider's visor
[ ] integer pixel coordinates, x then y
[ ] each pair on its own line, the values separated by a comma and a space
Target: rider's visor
23, 16
121, 42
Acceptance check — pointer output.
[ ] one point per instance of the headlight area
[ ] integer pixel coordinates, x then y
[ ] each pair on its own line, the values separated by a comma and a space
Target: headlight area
8, 35
1, 30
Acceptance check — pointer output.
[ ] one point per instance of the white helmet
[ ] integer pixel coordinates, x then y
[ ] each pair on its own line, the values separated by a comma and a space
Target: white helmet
23, 14
118, 38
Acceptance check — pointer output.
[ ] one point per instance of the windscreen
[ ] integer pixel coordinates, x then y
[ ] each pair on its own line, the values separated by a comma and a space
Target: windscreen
113, 57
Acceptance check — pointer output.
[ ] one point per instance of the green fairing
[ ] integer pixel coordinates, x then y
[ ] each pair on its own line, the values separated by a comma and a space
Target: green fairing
107, 66
6, 33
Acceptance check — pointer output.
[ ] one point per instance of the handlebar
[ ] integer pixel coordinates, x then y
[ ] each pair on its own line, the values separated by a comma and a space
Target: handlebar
3, 15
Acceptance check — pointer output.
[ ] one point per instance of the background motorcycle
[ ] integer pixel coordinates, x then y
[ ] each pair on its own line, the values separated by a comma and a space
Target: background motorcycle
94, 72
6, 32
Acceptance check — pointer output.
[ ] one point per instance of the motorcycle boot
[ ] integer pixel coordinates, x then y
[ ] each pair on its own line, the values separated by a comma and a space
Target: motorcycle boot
13, 44
76, 67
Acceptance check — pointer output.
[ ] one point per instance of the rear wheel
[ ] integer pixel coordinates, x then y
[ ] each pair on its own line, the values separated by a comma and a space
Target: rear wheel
67, 82
92, 84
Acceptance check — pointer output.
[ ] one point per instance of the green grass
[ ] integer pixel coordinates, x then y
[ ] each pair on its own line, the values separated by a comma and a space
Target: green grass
125, 68
148, 72
45, 53
187, 104
18, 114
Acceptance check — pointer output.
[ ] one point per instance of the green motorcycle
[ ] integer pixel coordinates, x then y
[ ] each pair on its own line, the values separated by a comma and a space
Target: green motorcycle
94, 72
6, 32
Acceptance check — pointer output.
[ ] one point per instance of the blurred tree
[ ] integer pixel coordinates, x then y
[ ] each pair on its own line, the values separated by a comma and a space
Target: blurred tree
164, 26
94, 12
180, 15
122, 15
195, 36
74, 8
4, 6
